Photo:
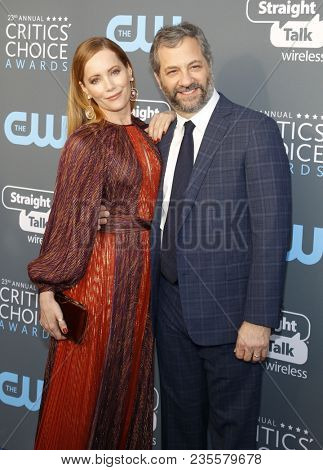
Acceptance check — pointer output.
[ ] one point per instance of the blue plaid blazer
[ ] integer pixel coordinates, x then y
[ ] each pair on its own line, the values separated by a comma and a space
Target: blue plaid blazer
234, 236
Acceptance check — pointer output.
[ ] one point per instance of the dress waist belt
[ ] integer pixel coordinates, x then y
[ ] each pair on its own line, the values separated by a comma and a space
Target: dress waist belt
118, 223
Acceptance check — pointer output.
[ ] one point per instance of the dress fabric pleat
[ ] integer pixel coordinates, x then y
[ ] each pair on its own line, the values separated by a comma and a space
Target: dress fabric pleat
99, 394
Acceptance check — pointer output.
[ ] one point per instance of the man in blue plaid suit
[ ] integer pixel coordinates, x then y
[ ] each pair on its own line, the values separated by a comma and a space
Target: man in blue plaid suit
217, 281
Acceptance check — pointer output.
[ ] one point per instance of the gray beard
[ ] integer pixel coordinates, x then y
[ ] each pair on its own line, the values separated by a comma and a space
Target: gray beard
179, 107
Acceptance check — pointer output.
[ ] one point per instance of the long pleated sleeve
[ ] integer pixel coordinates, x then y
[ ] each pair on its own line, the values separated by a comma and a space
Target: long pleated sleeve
72, 225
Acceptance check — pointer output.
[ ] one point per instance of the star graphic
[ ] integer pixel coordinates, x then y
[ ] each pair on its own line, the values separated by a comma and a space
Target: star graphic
48, 18
282, 425
305, 431
298, 115
298, 429
322, 118
314, 116
290, 427
306, 116
60, 18
65, 19
54, 18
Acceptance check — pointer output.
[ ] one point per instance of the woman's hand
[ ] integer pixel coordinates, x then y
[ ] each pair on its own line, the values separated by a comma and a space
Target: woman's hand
51, 316
159, 124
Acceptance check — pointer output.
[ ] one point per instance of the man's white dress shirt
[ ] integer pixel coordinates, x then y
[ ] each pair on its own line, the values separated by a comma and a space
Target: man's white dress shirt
201, 120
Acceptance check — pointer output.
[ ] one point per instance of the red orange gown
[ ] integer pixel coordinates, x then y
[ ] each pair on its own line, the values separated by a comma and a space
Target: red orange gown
99, 394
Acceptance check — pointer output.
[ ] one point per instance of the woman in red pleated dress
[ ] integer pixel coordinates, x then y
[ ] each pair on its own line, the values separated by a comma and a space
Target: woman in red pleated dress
99, 394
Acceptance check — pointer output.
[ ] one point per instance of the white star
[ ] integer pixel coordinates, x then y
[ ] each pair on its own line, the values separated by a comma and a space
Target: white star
60, 18
314, 116
65, 19
322, 118
298, 429
282, 425
290, 427
298, 115
54, 18
306, 116
48, 18
305, 431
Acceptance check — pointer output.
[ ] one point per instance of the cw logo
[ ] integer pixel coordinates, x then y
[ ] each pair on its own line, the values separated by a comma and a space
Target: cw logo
16, 128
9, 391
119, 30
296, 251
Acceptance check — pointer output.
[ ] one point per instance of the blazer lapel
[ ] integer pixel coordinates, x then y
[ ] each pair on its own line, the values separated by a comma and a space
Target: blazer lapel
212, 139
163, 147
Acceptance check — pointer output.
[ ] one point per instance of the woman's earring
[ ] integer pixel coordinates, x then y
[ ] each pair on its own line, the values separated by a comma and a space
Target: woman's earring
133, 92
89, 111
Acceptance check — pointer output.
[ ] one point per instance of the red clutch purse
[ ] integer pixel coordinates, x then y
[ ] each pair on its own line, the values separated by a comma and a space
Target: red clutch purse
75, 316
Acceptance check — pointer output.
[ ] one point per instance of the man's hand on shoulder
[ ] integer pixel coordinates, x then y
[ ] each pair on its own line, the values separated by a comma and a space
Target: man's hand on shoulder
252, 342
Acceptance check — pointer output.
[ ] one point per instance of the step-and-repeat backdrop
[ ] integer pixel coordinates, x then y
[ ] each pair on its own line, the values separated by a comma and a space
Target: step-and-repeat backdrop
268, 56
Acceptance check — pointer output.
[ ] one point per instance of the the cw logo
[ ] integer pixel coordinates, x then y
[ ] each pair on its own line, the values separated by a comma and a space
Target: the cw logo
118, 30
296, 251
9, 391
15, 128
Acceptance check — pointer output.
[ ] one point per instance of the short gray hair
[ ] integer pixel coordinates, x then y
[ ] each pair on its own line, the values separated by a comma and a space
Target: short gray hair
171, 36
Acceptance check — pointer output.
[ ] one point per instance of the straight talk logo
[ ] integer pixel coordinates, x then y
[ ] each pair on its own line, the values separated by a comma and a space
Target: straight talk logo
294, 25
33, 206
289, 345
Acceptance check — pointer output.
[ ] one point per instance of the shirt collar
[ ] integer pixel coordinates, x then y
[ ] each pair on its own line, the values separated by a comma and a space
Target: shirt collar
202, 117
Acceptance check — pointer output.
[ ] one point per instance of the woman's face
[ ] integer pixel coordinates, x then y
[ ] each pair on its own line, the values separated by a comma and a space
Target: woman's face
107, 81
